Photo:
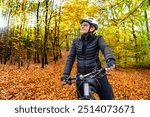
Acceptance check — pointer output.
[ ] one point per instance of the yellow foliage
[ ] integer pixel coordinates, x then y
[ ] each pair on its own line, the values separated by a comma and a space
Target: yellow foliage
74, 10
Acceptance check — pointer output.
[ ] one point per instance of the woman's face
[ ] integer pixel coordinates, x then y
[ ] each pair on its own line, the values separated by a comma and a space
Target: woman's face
84, 27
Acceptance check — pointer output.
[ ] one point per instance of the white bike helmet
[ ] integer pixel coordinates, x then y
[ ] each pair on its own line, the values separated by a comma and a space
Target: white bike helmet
91, 21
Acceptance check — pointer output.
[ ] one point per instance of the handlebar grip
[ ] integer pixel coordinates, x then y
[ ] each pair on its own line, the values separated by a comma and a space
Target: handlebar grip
63, 84
69, 81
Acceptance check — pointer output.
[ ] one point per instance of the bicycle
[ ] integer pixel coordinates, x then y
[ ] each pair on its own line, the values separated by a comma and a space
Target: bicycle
89, 81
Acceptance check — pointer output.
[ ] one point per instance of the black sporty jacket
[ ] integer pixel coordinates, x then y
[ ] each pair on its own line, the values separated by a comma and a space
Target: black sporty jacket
86, 49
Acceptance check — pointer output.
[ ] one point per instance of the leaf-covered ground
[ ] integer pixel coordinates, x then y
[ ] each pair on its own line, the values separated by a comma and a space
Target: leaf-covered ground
44, 84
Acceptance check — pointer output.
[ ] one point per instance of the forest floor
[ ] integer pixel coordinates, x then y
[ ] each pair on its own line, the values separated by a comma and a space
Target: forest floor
44, 84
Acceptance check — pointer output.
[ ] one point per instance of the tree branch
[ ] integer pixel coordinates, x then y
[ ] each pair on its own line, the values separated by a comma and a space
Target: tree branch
131, 13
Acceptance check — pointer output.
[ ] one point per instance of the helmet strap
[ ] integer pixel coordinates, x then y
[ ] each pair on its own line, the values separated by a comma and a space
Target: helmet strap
89, 32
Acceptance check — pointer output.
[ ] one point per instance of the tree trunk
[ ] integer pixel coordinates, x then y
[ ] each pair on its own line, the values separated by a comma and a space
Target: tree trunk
28, 57
1, 55
19, 58
45, 35
35, 54
58, 41
135, 40
46, 61
36, 41
6, 39
147, 26
67, 43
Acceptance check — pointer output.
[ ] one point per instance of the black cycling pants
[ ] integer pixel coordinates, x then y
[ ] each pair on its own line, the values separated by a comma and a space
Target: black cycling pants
104, 91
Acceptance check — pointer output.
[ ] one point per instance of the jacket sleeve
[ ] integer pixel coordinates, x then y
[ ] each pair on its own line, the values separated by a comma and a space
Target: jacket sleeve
71, 59
106, 50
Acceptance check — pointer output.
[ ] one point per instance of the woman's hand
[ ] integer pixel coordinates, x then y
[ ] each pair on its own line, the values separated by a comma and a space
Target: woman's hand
110, 65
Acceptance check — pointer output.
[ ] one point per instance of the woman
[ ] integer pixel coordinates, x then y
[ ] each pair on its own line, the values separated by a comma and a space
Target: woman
86, 48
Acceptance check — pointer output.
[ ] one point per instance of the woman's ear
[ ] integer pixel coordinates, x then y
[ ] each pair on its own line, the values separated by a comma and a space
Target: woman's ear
92, 28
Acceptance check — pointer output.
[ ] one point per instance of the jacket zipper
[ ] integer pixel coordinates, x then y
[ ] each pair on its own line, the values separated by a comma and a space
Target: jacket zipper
85, 44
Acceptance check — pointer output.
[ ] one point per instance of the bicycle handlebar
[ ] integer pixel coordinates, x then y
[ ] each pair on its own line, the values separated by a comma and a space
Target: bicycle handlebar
93, 73
90, 75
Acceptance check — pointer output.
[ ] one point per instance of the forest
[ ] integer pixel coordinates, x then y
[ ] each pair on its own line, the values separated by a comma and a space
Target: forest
36, 36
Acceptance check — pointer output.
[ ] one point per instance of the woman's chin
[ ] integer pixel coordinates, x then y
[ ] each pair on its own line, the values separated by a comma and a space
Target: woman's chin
83, 32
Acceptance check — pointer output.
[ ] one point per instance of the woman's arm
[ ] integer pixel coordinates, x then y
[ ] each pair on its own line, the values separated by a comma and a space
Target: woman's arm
71, 59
